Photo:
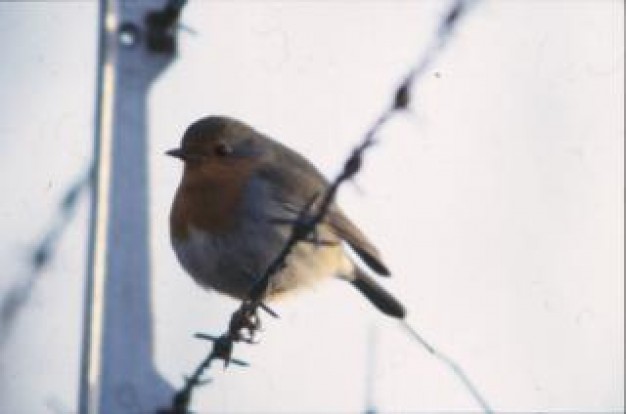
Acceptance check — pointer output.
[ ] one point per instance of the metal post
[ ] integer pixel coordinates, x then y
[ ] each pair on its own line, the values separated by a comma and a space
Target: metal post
118, 376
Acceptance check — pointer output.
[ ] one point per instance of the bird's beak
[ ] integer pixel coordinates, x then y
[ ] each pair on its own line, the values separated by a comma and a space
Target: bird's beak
176, 153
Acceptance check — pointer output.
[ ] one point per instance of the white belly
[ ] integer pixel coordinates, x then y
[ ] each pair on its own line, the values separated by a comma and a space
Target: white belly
230, 264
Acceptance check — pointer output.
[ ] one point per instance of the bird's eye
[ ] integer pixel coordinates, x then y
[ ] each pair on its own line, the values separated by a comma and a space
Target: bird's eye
222, 149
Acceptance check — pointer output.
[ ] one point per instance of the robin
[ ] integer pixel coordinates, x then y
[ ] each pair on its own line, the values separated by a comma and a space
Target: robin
227, 223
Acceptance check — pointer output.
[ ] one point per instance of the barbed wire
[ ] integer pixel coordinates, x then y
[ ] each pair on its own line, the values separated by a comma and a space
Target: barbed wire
17, 295
245, 321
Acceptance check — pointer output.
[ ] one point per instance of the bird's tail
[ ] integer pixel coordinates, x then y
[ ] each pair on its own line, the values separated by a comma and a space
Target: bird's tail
376, 294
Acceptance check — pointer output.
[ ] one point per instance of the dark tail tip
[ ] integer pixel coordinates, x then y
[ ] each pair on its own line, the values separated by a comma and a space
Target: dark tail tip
379, 297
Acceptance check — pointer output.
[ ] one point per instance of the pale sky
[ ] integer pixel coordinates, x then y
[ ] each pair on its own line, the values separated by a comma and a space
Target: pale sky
497, 202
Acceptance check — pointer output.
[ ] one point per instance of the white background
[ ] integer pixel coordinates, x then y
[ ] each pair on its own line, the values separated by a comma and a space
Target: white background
497, 201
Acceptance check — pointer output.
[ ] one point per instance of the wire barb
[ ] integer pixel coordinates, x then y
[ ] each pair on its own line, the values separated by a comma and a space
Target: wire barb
161, 27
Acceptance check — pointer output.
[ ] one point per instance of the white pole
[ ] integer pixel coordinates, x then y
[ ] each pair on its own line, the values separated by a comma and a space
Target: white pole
118, 373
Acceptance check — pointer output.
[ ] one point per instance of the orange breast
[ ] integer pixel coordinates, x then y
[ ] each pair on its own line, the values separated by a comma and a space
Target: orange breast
209, 198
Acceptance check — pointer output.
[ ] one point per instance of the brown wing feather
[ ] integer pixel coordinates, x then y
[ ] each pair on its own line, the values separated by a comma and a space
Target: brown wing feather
295, 180
345, 229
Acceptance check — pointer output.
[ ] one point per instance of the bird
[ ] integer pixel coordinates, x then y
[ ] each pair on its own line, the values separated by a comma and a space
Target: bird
230, 214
